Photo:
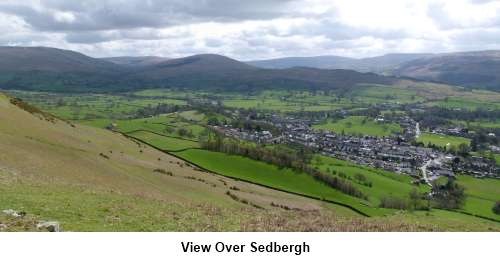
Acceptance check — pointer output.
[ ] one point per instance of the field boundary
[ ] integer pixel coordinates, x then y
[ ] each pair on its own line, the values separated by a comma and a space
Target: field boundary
159, 134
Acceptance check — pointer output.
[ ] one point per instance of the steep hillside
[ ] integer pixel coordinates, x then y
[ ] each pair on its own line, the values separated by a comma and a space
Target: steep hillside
470, 69
95, 180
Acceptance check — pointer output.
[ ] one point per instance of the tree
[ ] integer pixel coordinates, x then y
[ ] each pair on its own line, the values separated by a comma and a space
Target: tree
415, 198
448, 196
496, 208
463, 149
213, 121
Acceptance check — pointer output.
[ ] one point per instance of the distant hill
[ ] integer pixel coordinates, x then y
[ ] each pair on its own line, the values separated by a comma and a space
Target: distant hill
479, 69
387, 63
215, 71
469, 69
51, 69
378, 64
46, 59
322, 62
136, 61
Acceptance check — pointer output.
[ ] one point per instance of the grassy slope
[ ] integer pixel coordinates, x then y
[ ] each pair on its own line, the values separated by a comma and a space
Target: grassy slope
384, 184
481, 195
53, 171
269, 175
122, 193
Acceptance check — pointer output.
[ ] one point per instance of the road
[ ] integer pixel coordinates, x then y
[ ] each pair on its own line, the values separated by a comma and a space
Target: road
424, 172
423, 168
417, 130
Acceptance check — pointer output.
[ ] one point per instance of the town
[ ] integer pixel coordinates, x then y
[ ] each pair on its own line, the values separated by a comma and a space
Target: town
397, 153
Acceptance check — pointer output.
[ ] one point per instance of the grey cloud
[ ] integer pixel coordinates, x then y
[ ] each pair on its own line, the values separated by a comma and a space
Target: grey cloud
285, 28
119, 14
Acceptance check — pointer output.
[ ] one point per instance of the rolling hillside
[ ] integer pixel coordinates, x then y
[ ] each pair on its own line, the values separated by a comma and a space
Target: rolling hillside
469, 69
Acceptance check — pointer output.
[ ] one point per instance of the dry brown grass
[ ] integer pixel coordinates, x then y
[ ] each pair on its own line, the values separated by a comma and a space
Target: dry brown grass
317, 221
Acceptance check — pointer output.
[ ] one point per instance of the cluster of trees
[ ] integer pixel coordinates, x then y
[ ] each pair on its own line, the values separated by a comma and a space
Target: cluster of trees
339, 183
462, 149
440, 113
449, 195
361, 179
415, 201
394, 202
158, 109
254, 126
480, 140
283, 157
185, 132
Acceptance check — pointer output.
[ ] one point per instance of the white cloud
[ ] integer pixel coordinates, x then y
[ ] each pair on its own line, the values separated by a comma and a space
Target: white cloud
252, 29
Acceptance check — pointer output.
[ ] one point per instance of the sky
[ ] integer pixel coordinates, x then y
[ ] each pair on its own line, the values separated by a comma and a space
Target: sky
250, 30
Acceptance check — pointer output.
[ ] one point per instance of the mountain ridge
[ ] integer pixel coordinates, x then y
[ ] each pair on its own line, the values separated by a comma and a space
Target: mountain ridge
56, 71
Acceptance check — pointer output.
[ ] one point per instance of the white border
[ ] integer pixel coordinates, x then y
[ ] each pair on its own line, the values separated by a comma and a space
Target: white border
407, 247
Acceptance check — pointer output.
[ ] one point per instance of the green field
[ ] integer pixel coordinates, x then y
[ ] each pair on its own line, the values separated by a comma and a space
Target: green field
168, 124
270, 175
465, 103
481, 195
374, 94
479, 124
278, 105
360, 125
192, 115
383, 183
442, 140
92, 106
289, 101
